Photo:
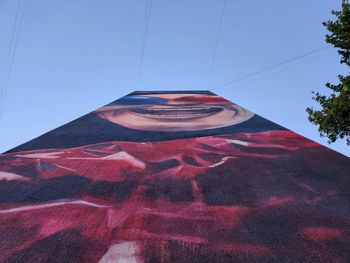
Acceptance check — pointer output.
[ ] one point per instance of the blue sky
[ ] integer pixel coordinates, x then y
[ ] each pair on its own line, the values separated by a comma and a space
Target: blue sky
73, 56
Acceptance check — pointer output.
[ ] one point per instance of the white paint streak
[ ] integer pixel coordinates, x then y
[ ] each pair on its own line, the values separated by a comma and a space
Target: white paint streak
239, 142
223, 160
11, 176
51, 155
120, 156
126, 252
124, 156
42, 206
66, 168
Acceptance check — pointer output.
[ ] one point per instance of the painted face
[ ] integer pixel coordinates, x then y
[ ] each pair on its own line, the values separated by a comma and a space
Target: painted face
174, 112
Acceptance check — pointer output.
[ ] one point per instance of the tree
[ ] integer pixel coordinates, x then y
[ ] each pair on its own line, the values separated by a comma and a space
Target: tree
333, 118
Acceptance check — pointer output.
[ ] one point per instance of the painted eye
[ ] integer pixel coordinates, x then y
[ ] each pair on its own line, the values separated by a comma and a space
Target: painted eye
138, 100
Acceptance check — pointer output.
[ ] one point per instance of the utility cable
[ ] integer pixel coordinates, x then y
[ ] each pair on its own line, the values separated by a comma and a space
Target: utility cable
16, 30
144, 39
229, 83
218, 33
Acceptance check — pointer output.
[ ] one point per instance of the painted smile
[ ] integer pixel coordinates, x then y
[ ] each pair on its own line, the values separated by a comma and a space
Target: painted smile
173, 113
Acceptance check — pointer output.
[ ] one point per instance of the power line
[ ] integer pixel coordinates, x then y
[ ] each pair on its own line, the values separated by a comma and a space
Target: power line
8, 59
146, 9
16, 30
253, 80
218, 32
229, 83
144, 39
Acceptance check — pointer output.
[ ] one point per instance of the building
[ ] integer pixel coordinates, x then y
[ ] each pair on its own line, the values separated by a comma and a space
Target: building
174, 177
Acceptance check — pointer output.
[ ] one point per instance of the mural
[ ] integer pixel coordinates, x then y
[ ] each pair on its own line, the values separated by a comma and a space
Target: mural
173, 177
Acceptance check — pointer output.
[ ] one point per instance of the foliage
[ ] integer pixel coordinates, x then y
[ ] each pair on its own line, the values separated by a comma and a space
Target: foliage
334, 117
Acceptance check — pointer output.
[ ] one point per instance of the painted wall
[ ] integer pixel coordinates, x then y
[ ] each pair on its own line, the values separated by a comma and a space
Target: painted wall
173, 177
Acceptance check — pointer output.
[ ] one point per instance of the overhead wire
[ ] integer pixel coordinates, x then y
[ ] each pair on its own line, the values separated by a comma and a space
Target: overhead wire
16, 30
218, 33
268, 68
259, 78
9, 52
148, 12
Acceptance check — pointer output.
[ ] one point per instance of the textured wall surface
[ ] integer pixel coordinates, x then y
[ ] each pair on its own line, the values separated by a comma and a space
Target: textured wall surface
173, 177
